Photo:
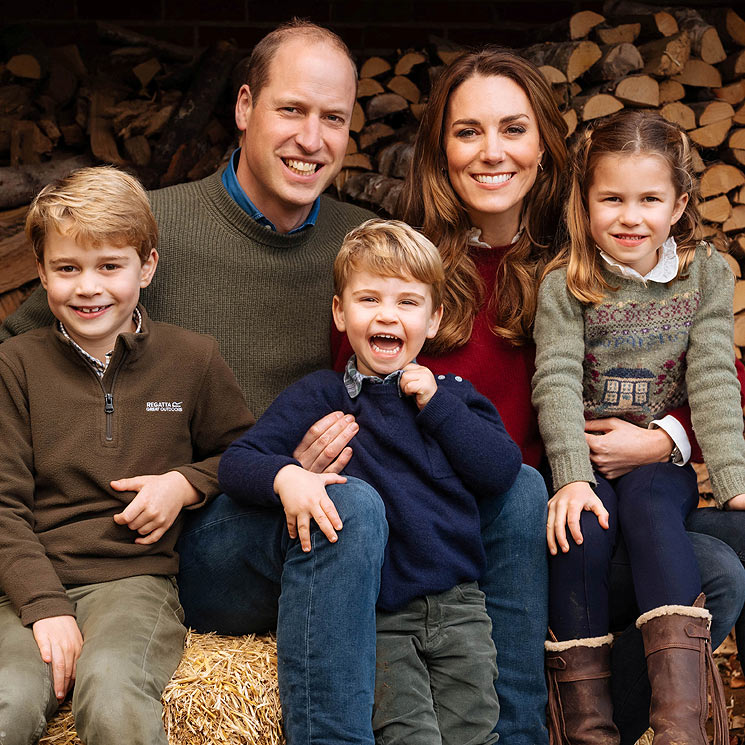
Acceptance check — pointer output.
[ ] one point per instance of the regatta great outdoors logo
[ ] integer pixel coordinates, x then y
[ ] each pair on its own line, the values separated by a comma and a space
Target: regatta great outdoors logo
164, 406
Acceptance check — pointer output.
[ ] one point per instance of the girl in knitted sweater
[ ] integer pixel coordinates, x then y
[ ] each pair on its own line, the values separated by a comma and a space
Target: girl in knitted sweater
634, 318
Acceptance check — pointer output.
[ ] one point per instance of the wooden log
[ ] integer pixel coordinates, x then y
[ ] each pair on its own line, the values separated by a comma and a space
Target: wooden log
710, 112
733, 93
404, 87
596, 106
103, 143
17, 260
572, 57
740, 329
667, 56
357, 160
383, 105
374, 67
553, 75
581, 23
736, 220
395, 159
698, 162
737, 139
720, 178
417, 109
374, 134
375, 189
358, 118
712, 135
19, 185
716, 210
699, 74
617, 60
705, 42
734, 157
138, 150
729, 25
671, 90
351, 146
408, 62
15, 101
738, 303
72, 134
733, 68
125, 37
212, 75
368, 87
739, 117
571, 119
616, 34
446, 51
24, 66
680, 114
638, 90
146, 71
27, 144
653, 22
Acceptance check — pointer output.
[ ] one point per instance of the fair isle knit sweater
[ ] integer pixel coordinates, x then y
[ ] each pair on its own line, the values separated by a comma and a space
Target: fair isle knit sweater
265, 296
643, 350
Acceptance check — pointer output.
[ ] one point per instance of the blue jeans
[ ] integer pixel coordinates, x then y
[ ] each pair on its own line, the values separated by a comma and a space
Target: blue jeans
723, 582
513, 529
241, 573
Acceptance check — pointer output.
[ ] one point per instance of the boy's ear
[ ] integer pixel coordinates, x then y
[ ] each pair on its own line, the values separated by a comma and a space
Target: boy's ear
42, 274
434, 323
680, 205
338, 313
147, 268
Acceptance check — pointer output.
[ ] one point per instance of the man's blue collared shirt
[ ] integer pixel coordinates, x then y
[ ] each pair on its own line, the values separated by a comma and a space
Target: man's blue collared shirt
230, 181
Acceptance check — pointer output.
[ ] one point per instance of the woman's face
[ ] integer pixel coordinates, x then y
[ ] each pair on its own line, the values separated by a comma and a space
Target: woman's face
493, 147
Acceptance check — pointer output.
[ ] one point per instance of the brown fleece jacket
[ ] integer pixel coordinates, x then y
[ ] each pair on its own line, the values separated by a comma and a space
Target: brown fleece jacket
172, 404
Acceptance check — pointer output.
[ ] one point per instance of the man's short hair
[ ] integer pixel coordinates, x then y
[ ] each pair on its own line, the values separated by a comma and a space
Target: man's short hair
94, 206
390, 248
263, 53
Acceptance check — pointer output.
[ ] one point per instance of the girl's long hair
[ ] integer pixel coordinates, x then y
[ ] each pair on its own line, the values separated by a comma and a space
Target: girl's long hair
429, 201
633, 133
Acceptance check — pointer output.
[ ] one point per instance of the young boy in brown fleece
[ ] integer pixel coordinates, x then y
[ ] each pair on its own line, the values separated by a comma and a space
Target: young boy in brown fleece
110, 425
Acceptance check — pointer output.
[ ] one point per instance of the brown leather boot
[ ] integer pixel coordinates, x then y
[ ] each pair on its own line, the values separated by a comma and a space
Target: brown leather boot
580, 711
679, 663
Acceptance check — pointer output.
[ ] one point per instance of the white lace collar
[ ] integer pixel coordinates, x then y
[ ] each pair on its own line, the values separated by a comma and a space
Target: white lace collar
664, 270
474, 237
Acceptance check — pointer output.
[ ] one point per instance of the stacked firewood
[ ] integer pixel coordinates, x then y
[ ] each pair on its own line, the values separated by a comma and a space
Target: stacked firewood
166, 115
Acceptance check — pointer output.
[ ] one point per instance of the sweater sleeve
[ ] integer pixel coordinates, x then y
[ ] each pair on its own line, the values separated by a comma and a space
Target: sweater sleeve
220, 415
711, 380
250, 464
557, 383
470, 432
34, 313
26, 574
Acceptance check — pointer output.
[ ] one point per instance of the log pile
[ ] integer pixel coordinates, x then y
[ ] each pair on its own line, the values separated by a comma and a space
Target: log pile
166, 115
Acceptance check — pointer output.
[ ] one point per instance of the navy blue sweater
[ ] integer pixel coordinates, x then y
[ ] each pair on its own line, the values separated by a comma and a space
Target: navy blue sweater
428, 466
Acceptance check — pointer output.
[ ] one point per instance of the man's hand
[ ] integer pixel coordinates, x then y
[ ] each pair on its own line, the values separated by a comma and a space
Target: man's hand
60, 642
617, 446
324, 447
157, 504
418, 381
303, 495
565, 508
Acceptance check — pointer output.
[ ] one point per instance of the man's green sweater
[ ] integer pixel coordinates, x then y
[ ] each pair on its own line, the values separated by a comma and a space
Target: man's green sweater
265, 296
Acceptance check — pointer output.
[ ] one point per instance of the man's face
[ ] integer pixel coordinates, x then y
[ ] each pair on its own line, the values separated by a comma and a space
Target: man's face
296, 130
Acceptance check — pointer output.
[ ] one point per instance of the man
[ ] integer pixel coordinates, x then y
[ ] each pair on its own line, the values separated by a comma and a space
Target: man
246, 256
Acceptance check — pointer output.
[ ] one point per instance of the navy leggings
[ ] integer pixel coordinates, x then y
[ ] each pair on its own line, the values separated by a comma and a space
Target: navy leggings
648, 508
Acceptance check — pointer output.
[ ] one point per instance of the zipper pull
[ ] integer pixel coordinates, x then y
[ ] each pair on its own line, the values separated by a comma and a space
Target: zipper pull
109, 406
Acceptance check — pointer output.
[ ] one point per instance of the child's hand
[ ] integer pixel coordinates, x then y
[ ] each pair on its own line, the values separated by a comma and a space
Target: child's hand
60, 642
420, 382
565, 508
736, 503
303, 496
157, 504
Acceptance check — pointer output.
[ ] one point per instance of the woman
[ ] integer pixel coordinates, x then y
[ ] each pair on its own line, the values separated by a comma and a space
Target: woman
487, 189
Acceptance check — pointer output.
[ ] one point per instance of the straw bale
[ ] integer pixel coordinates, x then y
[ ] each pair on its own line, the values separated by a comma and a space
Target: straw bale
224, 691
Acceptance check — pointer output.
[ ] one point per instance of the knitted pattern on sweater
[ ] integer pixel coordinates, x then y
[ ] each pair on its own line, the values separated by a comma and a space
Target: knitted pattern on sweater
642, 351
265, 296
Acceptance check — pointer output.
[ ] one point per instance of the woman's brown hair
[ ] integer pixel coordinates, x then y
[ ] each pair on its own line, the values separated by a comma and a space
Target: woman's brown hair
429, 201
629, 132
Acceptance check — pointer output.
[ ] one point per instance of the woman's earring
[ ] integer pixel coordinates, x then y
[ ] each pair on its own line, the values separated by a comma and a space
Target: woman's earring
540, 165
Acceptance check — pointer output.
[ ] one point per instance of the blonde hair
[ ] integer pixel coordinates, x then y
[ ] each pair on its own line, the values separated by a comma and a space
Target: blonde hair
428, 199
390, 248
94, 206
628, 132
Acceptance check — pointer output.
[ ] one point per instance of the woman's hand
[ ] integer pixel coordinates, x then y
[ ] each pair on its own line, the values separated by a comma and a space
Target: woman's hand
617, 446
324, 447
565, 508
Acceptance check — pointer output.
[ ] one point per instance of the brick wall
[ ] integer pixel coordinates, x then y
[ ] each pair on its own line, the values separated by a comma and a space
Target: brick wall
369, 26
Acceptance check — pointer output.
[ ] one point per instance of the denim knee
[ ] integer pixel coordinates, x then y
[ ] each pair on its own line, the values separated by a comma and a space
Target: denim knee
523, 507
362, 513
